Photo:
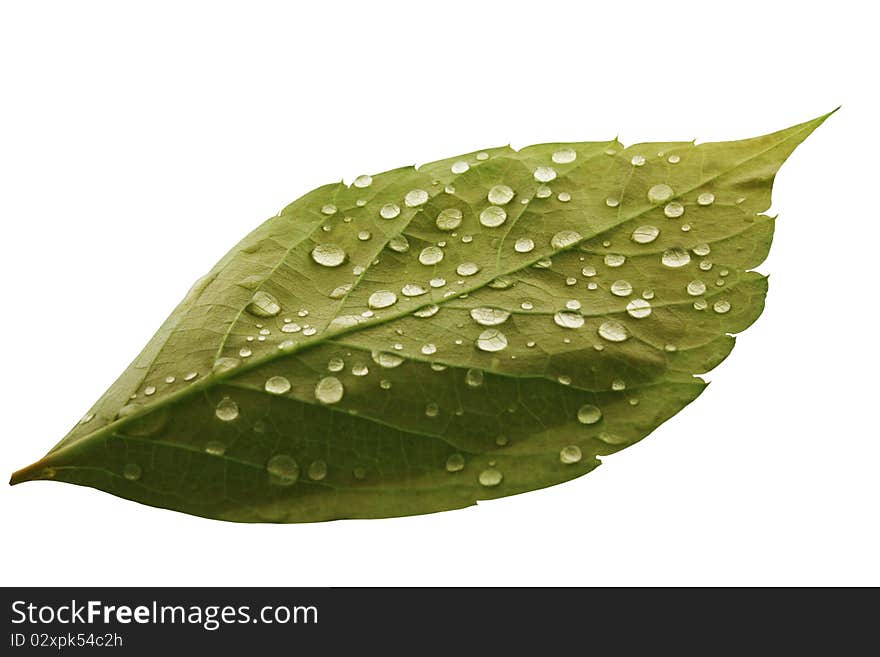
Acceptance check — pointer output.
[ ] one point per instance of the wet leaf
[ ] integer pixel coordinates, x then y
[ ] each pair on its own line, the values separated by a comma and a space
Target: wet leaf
429, 337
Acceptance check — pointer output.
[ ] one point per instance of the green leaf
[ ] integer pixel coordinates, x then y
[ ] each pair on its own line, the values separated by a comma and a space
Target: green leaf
429, 337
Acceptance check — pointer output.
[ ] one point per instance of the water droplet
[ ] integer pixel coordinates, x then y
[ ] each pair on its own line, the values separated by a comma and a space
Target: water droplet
439, 281
485, 316
638, 308
431, 255
564, 156
573, 304
614, 260
706, 198
429, 349
385, 384
277, 385
427, 311
227, 410
612, 201
328, 209
283, 470
329, 390
492, 340
328, 255
309, 330
359, 473
611, 439
415, 198
413, 290
389, 211
132, 471
673, 210
568, 319
455, 463
645, 234
399, 244
543, 192
449, 219
482, 156
467, 269
706, 265
493, 216
363, 181
565, 238
386, 359
564, 197
638, 160
545, 174
88, 417
500, 195
490, 477
190, 376
588, 271
317, 470
675, 257
696, 288
621, 288
474, 378
225, 364
500, 283
543, 263
618, 384
382, 299
570, 454
459, 167
660, 193
589, 414
524, 245
150, 390
263, 304
467, 239
700, 304
721, 307
215, 448
365, 235
613, 331
335, 364
673, 159
432, 410
293, 327
359, 369
702, 250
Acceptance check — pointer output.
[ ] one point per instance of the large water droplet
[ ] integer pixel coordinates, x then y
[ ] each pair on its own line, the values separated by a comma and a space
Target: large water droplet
673, 210
431, 255
570, 454
277, 385
493, 216
386, 359
621, 288
399, 244
645, 234
660, 193
415, 198
263, 304
382, 299
721, 307
589, 414
614, 260
696, 288
565, 238
329, 390
449, 219
227, 410
491, 340
613, 331
429, 349
568, 319
283, 470
359, 369
455, 463
490, 477
328, 255
638, 308
524, 245
675, 257
486, 316
500, 195
706, 198
363, 181
564, 156
459, 167
389, 211
413, 290
467, 269
545, 174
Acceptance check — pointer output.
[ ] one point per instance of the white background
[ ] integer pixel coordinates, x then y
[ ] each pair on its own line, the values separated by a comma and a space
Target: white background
140, 141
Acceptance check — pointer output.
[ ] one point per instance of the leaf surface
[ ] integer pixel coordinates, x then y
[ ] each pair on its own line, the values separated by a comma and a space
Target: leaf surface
429, 337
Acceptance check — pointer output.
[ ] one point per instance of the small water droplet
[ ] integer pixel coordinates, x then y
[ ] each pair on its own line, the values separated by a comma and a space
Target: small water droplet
564, 197
527, 305
283, 470
215, 448
225, 364
415, 198
614, 260
474, 378
389, 211
317, 470
613, 331
277, 385
612, 201
673, 210
486, 316
490, 477
399, 244
706, 198
385, 384
431, 255
618, 385
432, 410
449, 219
335, 364
568, 319
413, 290
263, 304
382, 299
673, 159
455, 463
363, 181
459, 167
493, 216
589, 414
564, 156
328, 255
386, 359
467, 269
150, 390
565, 238
573, 304
675, 257
660, 193
638, 308
293, 327
328, 209
721, 307
645, 234
702, 250
524, 245
588, 271
427, 311
696, 288
190, 376
543, 192
329, 390
227, 410
500, 195
429, 349
359, 369
621, 288
492, 340
570, 454
638, 160
132, 471
482, 156
365, 235
545, 174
